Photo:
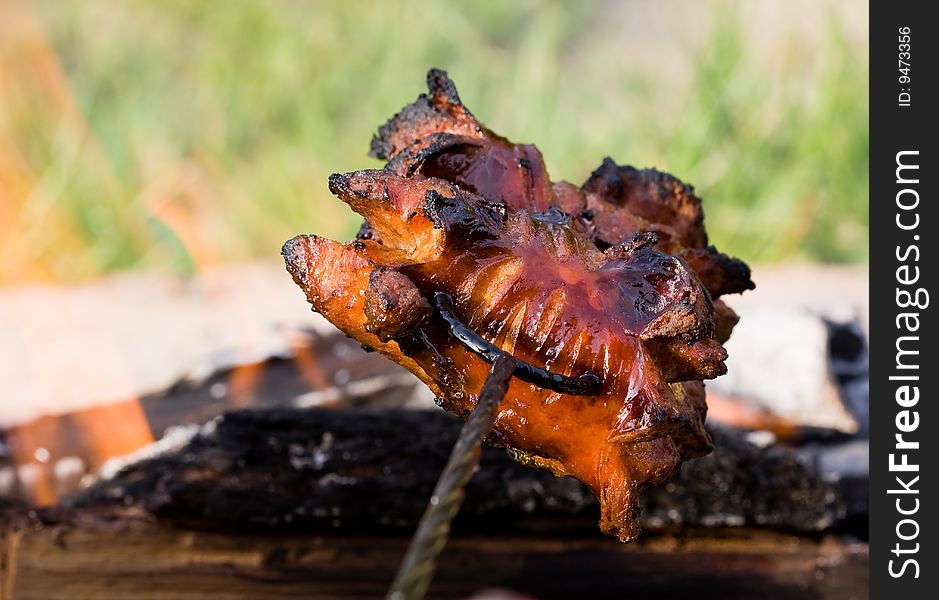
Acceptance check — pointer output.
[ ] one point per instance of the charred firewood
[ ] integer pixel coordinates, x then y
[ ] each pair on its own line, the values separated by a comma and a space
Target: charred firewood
369, 471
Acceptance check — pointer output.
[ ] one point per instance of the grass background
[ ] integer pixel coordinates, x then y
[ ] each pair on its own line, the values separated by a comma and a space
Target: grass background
171, 135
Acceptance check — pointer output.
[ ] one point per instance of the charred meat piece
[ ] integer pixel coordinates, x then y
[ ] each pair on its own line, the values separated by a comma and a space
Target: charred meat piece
570, 280
436, 136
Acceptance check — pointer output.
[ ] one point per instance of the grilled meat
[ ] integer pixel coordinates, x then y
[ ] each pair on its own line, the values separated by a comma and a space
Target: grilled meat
613, 281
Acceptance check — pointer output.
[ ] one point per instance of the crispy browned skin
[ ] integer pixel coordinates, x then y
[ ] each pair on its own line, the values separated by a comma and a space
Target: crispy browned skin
568, 279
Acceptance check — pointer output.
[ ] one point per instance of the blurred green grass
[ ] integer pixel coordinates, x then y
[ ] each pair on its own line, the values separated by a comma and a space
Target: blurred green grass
169, 134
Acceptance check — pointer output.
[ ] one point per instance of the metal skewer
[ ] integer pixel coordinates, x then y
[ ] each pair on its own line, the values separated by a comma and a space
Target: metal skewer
585, 384
417, 568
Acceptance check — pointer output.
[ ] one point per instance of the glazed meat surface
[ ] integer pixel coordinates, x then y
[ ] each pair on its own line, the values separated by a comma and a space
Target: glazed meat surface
612, 279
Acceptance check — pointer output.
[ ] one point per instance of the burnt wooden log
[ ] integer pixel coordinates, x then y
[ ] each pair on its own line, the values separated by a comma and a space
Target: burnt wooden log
372, 471
318, 504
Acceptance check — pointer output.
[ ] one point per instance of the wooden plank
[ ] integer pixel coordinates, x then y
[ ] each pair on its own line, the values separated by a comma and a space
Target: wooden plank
135, 559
